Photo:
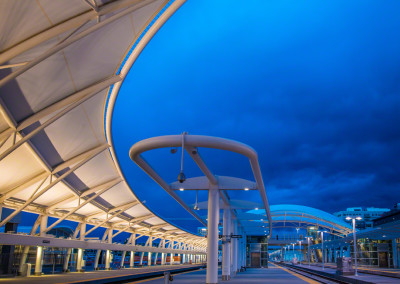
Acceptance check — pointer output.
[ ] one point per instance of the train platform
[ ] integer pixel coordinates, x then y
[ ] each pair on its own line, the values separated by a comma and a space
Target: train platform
103, 276
273, 274
363, 274
390, 272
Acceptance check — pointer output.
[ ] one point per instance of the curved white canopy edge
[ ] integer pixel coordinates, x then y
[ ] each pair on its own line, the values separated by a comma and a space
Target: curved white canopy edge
54, 82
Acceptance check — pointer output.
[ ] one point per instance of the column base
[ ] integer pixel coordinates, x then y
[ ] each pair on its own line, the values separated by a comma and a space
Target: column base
66, 270
131, 267
80, 270
97, 268
38, 273
108, 268
225, 277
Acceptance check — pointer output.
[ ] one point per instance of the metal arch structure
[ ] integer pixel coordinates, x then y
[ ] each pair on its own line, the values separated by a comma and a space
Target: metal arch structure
295, 216
216, 187
193, 142
55, 157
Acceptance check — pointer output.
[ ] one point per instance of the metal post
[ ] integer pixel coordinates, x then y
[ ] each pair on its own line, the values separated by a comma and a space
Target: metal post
395, 254
308, 248
234, 248
294, 253
123, 259
43, 225
300, 255
323, 253
132, 255
79, 259
108, 255
212, 235
171, 258
226, 245
39, 261
107, 264
132, 259
355, 247
149, 253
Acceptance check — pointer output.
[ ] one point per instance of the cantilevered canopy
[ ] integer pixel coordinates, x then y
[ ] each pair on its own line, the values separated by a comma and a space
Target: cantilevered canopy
293, 216
58, 62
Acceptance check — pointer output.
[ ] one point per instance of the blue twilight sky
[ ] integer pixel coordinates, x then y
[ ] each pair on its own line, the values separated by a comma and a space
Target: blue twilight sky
312, 86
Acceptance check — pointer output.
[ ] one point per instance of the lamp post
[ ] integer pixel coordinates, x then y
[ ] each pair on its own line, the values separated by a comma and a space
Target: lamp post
300, 252
323, 254
284, 254
308, 248
294, 253
354, 241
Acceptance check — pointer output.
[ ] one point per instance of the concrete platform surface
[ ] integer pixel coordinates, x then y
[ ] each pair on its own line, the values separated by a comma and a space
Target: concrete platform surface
361, 276
374, 270
95, 276
273, 274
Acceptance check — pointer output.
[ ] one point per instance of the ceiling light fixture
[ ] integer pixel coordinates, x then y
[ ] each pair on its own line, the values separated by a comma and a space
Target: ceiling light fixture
181, 176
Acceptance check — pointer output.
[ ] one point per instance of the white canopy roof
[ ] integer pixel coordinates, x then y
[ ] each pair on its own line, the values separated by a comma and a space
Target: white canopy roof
59, 62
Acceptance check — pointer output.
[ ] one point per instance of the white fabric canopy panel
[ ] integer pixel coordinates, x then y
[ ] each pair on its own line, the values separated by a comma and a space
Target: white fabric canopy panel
56, 70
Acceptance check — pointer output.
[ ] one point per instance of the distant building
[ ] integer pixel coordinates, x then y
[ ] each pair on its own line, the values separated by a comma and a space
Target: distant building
368, 214
391, 216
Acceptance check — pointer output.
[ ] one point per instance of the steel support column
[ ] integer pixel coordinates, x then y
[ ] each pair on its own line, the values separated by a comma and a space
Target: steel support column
39, 261
108, 252
234, 245
226, 245
212, 235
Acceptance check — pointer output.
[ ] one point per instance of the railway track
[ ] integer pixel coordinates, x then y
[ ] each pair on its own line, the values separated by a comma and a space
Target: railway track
320, 277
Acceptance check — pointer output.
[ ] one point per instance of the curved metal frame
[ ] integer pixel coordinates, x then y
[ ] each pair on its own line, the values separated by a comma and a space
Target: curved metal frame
195, 141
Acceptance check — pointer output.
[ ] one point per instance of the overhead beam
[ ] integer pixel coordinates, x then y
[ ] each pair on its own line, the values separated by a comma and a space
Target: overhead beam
157, 178
136, 220
82, 94
103, 189
23, 185
121, 231
199, 141
48, 187
125, 206
60, 46
44, 125
63, 27
155, 227
85, 193
25, 240
5, 134
122, 208
195, 155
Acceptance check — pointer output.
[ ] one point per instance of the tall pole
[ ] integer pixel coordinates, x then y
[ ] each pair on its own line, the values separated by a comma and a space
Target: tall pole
226, 245
323, 254
212, 235
300, 252
284, 254
355, 246
294, 253
308, 247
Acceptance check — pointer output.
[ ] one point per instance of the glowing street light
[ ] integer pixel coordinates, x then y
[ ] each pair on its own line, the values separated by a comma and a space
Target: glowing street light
354, 241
